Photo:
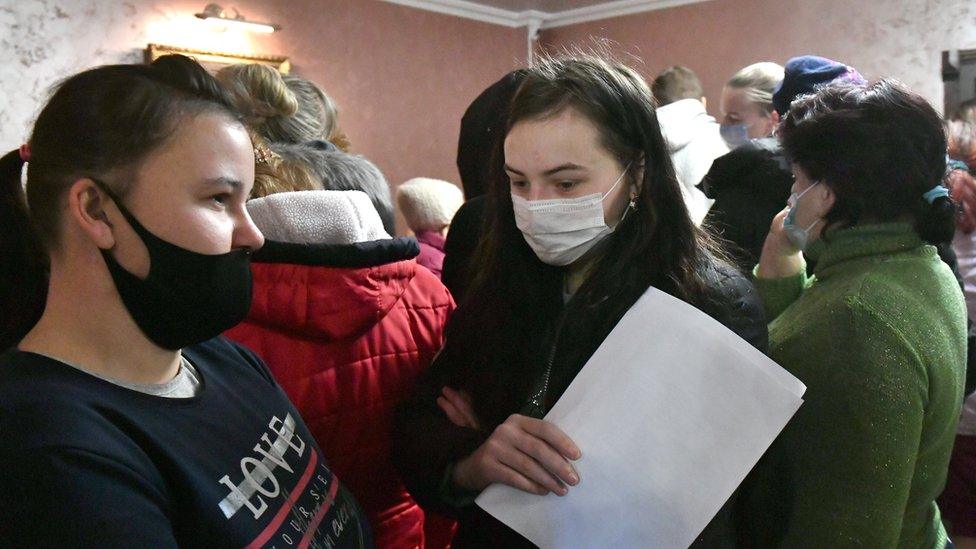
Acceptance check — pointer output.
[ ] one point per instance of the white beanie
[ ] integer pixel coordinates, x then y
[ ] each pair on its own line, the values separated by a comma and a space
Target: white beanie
428, 204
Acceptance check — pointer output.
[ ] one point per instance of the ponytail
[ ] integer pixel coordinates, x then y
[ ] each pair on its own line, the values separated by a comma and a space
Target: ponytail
101, 121
23, 264
937, 222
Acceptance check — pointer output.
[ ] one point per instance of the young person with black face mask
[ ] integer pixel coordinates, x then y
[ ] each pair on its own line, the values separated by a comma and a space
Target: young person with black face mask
592, 215
124, 421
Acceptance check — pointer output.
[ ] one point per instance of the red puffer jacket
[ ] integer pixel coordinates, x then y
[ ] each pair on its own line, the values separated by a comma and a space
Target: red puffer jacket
346, 329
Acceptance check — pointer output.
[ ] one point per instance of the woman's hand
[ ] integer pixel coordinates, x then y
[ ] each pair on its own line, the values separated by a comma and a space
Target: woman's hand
458, 408
529, 454
780, 258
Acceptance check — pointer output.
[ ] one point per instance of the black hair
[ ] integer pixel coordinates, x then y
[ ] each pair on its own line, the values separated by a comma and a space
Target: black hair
879, 148
101, 123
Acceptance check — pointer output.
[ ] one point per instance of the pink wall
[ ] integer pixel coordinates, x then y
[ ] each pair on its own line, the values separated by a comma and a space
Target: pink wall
896, 38
402, 77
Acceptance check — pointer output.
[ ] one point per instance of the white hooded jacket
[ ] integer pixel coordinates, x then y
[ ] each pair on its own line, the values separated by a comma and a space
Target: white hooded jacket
694, 140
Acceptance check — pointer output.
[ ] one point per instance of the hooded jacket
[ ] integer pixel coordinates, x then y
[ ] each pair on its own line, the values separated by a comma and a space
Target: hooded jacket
482, 127
749, 187
346, 320
694, 140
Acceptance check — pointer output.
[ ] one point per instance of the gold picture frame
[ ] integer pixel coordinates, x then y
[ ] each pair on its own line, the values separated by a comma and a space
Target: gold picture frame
212, 60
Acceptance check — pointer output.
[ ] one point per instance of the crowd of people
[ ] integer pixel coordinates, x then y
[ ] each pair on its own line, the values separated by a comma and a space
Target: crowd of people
214, 336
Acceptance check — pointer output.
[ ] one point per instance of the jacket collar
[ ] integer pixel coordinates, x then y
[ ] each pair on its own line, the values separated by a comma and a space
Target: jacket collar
356, 255
835, 252
317, 217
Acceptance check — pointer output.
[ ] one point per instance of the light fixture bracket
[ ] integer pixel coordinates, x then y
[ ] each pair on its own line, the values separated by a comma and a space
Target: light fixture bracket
217, 13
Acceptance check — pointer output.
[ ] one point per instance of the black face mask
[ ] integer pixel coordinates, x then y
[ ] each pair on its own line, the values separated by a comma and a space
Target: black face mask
187, 297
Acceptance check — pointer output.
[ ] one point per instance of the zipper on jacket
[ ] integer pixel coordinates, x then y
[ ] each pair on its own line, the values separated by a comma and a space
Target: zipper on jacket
537, 401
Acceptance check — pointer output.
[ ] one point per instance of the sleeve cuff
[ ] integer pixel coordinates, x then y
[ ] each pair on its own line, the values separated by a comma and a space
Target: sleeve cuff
452, 494
778, 293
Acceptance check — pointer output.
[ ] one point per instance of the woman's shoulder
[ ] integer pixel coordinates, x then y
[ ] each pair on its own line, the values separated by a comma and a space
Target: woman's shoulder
732, 299
727, 284
45, 404
912, 282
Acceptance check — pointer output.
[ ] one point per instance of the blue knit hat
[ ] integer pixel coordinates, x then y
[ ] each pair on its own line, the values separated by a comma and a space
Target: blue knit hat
805, 74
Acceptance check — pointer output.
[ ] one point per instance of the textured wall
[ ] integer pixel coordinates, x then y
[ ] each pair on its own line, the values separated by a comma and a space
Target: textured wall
898, 38
402, 77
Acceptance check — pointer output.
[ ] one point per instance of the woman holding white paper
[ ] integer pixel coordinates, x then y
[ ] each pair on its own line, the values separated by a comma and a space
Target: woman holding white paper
589, 217
878, 334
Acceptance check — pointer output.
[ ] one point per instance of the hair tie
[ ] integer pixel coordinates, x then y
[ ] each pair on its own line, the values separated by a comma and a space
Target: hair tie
952, 164
25, 152
935, 193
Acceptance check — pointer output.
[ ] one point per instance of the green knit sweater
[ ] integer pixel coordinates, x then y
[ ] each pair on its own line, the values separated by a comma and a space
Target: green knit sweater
878, 336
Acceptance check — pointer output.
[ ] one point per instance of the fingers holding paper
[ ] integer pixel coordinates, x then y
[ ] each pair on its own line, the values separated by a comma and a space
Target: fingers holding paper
525, 453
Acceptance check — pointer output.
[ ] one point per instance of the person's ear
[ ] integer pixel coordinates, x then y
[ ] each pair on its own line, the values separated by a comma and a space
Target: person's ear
826, 199
775, 118
86, 208
704, 101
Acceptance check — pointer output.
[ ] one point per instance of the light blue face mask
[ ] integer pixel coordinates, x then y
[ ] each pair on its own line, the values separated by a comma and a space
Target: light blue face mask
735, 135
798, 236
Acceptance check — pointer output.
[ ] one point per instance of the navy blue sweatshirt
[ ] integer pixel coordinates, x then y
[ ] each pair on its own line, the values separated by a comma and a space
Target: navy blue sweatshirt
86, 463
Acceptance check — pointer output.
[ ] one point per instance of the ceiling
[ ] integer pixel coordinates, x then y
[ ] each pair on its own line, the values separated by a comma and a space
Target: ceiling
536, 14
550, 6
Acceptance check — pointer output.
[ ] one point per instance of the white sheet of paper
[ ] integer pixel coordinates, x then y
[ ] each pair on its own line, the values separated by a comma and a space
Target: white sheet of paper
671, 413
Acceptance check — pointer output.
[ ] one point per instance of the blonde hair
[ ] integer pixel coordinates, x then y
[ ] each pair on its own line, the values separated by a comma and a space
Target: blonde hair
274, 173
759, 81
318, 116
281, 108
259, 92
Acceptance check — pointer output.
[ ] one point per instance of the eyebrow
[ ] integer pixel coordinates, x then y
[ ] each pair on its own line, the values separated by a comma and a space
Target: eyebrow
552, 171
224, 181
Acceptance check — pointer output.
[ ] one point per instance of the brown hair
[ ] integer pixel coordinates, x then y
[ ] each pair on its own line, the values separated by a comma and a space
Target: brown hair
962, 187
676, 83
101, 123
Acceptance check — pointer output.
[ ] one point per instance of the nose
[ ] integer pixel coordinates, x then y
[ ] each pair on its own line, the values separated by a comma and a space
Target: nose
246, 233
538, 192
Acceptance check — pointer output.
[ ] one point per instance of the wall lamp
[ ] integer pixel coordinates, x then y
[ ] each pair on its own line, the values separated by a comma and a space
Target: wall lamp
216, 14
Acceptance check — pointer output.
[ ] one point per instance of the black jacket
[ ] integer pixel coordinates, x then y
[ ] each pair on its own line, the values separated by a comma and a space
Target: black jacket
501, 375
750, 185
459, 249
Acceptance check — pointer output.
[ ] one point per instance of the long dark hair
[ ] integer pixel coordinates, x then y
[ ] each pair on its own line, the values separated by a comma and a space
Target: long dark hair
879, 148
656, 245
99, 123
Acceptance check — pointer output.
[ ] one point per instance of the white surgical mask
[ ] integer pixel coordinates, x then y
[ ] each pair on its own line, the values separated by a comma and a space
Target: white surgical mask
560, 231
